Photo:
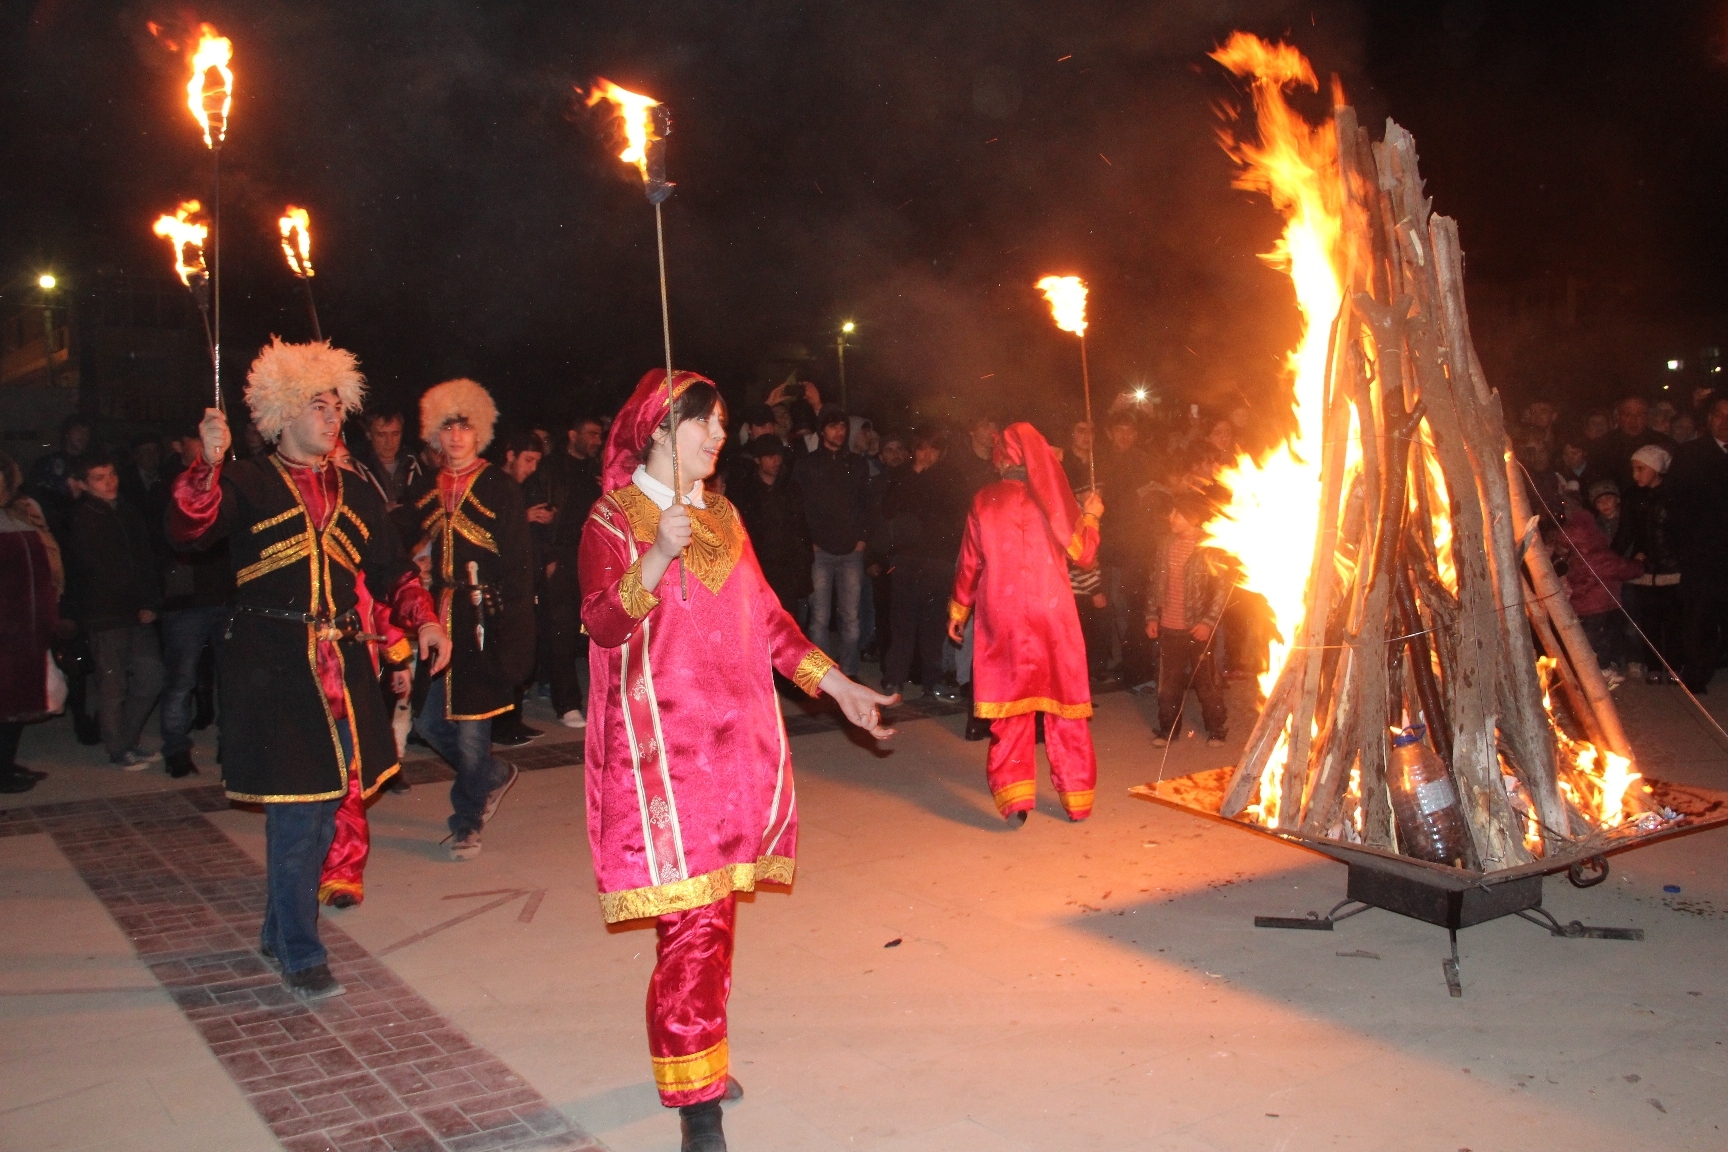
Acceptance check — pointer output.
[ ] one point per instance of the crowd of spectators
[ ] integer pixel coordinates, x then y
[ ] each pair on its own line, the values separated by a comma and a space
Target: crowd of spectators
857, 530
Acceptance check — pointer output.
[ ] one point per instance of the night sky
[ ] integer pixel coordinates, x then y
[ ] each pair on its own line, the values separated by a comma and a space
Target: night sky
912, 166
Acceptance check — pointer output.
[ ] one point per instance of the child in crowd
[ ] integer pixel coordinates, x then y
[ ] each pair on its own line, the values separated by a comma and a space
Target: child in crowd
1184, 599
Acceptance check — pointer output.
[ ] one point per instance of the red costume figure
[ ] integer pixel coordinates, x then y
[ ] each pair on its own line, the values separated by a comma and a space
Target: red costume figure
342, 883
1029, 655
689, 771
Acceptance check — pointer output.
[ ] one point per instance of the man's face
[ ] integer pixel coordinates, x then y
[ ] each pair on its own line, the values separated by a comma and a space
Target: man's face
77, 439
894, 454
1223, 436
768, 468
1573, 456
1540, 414
783, 420
983, 436
1719, 420
925, 457
103, 482
148, 456
834, 435
584, 440
1081, 438
1123, 435
314, 433
521, 465
459, 442
385, 434
1607, 505
1632, 416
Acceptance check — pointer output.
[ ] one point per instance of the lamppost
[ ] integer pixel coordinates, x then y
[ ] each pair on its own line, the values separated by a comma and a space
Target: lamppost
846, 330
47, 283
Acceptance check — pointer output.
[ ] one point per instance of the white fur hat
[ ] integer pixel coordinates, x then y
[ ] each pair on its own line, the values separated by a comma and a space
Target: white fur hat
461, 397
285, 377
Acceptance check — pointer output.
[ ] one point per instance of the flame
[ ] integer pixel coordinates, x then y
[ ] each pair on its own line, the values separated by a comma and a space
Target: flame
296, 227
210, 102
1272, 520
638, 125
183, 233
1067, 296
1596, 781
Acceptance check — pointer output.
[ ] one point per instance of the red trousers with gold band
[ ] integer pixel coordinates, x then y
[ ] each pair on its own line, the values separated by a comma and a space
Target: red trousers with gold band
687, 1002
345, 863
1013, 769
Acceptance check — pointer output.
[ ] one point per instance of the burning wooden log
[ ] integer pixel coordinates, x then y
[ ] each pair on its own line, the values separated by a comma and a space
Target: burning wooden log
1404, 695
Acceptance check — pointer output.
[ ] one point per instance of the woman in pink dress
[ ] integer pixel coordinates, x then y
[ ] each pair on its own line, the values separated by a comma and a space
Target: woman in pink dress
689, 771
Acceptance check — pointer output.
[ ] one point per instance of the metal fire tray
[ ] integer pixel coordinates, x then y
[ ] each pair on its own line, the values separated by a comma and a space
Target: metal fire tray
1453, 898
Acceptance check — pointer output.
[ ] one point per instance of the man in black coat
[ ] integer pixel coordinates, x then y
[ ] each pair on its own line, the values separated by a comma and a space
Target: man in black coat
916, 532
771, 505
301, 713
471, 515
836, 485
574, 486
1700, 478
117, 576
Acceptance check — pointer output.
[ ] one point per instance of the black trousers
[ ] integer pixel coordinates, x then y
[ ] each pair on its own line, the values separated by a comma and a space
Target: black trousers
1703, 604
566, 661
1183, 663
1661, 613
920, 619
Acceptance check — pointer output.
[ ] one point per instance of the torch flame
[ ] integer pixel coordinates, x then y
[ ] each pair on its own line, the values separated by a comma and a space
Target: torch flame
296, 226
638, 126
1067, 296
1272, 520
184, 234
210, 102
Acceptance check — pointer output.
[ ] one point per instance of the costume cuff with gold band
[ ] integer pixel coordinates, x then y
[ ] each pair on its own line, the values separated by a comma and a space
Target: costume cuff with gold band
637, 600
959, 613
399, 652
808, 675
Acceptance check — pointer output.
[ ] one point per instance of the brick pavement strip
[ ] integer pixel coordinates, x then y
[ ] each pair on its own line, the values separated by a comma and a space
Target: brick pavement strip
377, 1070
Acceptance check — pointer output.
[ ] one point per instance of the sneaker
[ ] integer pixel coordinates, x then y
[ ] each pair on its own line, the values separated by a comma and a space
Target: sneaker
313, 984
573, 719
180, 765
1160, 742
946, 690
465, 846
512, 738
496, 796
135, 760
1214, 741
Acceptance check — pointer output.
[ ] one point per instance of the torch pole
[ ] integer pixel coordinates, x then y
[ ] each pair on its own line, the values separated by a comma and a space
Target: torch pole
216, 274
312, 309
1086, 383
671, 401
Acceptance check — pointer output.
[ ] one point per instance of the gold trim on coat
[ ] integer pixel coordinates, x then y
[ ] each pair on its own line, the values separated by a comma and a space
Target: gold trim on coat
635, 598
808, 675
990, 711
959, 613
697, 891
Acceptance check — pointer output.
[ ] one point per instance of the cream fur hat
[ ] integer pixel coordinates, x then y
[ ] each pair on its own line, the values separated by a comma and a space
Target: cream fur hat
285, 377
461, 397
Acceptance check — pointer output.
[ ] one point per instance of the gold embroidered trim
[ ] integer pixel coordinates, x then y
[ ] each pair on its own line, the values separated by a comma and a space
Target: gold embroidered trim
354, 519
302, 549
250, 798
473, 533
480, 715
484, 511
304, 539
958, 612
346, 547
808, 675
366, 793
1020, 790
716, 539
693, 1072
697, 891
399, 652
636, 599
1076, 801
1032, 704
432, 494
275, 520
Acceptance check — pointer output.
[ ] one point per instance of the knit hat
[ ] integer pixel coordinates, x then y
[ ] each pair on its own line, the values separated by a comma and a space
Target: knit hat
1603, 488
1653, 457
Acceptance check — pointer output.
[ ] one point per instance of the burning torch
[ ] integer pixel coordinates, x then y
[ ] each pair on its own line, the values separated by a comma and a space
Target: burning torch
186, 236
296, 228
210, 96
1067, 296
646, 126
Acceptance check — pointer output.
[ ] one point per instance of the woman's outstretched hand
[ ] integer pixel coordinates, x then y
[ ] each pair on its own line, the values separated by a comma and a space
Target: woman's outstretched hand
861, 706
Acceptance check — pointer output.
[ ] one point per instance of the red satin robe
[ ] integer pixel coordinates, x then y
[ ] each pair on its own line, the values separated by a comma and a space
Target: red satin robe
1028, 653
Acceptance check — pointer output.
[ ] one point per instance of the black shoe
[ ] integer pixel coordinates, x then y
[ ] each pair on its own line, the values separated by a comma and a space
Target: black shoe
734, 1092
180, 765
269, 958
398, 784
1017, 820
977, 728
511, 739
343, 900
313, 984
14, 782
701, 1125
20, 770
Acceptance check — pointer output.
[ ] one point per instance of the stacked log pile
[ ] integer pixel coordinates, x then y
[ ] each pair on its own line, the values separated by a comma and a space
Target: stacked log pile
1429, 591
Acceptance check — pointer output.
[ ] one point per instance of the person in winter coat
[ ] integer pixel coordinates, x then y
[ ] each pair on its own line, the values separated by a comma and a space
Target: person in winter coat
1661, 612
1185, 599
1594, 574
31, 580
771, 504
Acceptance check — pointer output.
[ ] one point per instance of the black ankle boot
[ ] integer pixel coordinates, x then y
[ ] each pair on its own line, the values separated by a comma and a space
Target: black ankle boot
701, 1124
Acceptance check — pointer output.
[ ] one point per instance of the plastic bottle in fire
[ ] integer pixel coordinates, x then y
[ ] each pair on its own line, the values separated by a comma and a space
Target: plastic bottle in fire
1425, 803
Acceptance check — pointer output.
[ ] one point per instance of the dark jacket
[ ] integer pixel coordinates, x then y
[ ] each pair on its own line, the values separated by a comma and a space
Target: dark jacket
921, 516
1206, 584
1654, 528
1700, 480
774, 519
836, 487
115, 567
572, 487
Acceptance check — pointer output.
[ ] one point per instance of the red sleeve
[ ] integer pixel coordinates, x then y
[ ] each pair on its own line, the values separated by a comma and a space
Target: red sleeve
410, 604
195, 504
1083, 549
614, 601
970, 567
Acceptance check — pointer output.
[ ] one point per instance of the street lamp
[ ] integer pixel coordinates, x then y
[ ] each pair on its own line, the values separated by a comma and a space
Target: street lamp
846, 330
47, 283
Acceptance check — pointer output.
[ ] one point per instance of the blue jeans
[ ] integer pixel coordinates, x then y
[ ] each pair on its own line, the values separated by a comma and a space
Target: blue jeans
185, 631
467, 746
296, 839
843, 576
